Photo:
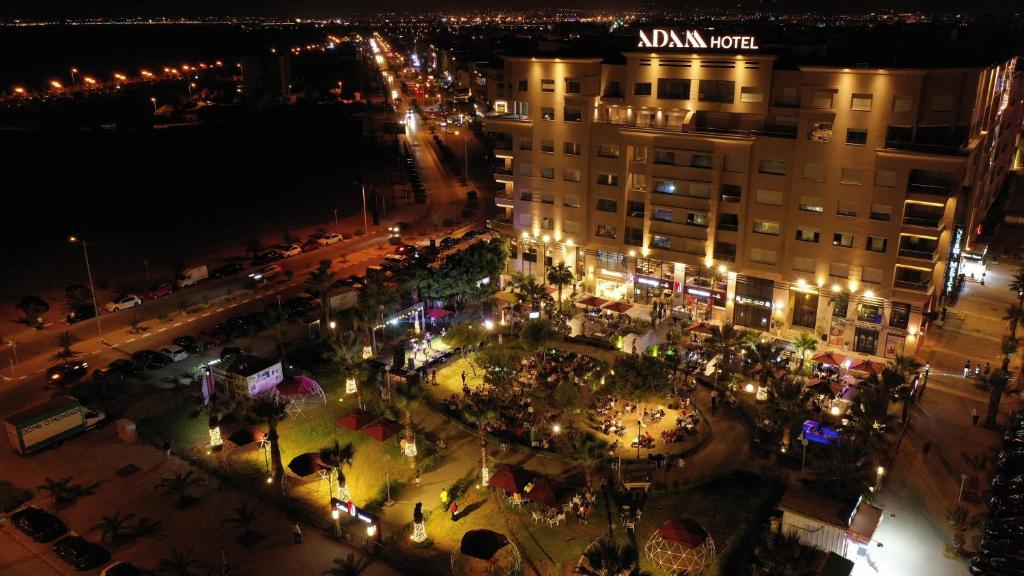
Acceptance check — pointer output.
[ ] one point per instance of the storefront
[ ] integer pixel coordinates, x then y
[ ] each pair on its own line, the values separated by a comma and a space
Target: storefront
804, 303
611, 280
753, 302
704, 292
865, 340
646, 288
867, 335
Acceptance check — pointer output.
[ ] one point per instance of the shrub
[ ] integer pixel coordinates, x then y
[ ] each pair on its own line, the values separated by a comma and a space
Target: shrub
12, 496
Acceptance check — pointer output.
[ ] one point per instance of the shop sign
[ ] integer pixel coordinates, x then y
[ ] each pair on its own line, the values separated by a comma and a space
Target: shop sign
717, 296
653, 282
953, 265
694, 39
893, 345
753, 301
837, 335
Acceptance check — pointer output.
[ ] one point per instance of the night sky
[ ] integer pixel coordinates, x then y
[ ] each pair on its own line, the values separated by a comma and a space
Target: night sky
311, 8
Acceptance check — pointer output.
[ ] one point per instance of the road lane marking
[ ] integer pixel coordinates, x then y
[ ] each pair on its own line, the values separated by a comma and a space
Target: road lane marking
146, 335
178, 324
129, 340
218, 310
162, 329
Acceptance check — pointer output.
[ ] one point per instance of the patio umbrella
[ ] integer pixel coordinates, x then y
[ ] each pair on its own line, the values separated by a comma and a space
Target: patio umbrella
828, 358
246, 436
509, 478
542, 493
356, 419
382, 429
618, 307
507, 296
867, 366
550, 289
437, 313
306, 464
482, 544
593, 301
700, 328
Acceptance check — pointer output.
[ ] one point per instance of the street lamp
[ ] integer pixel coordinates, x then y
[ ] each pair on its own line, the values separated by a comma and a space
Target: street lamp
88, 271
336, 516
73, 72
153, 100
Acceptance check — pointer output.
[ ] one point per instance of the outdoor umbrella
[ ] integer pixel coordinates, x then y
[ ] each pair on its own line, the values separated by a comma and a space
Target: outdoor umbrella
246, 436
700, 328
297, 386
382, 429
356, 419
509, 478
867, 366
306, 464
543, 493
482, 544
593, 301
618, 307
437, 313
828, 358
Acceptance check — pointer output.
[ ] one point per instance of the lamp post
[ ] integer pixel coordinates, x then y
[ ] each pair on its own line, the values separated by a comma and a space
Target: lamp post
639, 423
73, 71
878, 478
153, 100
963, 478
336, 516
366, 225
88, 271
336, 227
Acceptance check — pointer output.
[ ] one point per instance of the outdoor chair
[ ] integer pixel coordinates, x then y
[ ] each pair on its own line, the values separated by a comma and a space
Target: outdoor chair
557, 519
537, 516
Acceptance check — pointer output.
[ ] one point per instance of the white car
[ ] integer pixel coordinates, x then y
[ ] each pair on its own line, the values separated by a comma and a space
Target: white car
330, 238
94, 418
175, 353
123, 302
265, 272
289, 251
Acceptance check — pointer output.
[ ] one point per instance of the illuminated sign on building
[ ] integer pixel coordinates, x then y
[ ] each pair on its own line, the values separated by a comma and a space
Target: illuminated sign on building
669, 38
953, 264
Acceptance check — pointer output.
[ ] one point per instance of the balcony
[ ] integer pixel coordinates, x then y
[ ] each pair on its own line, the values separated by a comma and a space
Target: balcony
918, 254
931, 222
501, 225
912, 285
504, 201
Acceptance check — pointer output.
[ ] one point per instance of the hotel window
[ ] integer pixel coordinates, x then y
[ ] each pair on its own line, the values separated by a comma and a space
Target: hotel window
698, 190
811, 204
881, 212
735, 164
664, 157
547, 113
841, 305
640, 154
886, 178
701, 160
523, 168
605, 231
611, 90
547, 223
725, 251
547, 198
642, 89
523, 85
852, 176
664, 187
673, 89
634, 236
751, 94
636, 209
573, 113
608, 179
526, 144
698, 219
662, 215
876, 244
773, 167
525, 219
808, 235
942, 103
846, 208
608, 150
674, 121
861, 102
571, 174
768, 197
731, 193
729, 222
766, 227
801, 264
789, 96
572, 86
762, 256
570, 226
547, 173
843, 239
606, 205
823, 98
871, 275
547, 146
547, 85
899, 317
572, 148
723, 91
611, 261
814, 172
820, 132
530, 254
902, 103
659, 241
839, 270
526, 196
856, 136
571, 200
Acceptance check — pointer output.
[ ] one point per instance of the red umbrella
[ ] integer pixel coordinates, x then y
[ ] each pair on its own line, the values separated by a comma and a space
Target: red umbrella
543, 493
437, 313
382, 429
307, 464
356, 419
829, 358
700, 328
618, 307
593, 301
509, 478
867, 366
685, 532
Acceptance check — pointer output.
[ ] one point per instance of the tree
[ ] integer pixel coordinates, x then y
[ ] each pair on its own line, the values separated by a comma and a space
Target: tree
805, 344
407, 397
637, 377
244, 520
113, 528
464, 337
559, 275
536, 332
254, 247
147, 527
997, 384
785, 555
481, 412
870, 421
64, 493
501, 365
766, 353
321, 280
605, 558
179, 563
525, 288
269, 409
345, 353
1017, 285
179, 486
336, 456
64, 341
32, 308
588, 450
726, 341
1008, 347
785, 401
350, 566
1014, 315
840, 474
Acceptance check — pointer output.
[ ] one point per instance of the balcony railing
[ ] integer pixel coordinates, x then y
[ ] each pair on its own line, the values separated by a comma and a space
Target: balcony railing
943, 149
503, 170
923, 222
920, 254
912, 285
923, 188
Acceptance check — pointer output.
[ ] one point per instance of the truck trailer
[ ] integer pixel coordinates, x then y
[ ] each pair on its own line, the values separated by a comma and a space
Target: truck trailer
38, 427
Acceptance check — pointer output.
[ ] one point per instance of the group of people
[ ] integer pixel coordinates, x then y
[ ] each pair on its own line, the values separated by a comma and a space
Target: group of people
552, 367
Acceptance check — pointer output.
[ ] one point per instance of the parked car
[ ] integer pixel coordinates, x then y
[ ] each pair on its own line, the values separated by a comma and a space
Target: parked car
80, 553
190, 344
123, 367
79, 313
447, 243
1005, 484
39, 525
1001, 547
312, 244
254, 322
289, 250
123, 302
159, 291
329, 238
215, 337
151, 359
266, 258
67, 372
229, 269
123, 569
175, 353
405, 249
296, 306
265, 272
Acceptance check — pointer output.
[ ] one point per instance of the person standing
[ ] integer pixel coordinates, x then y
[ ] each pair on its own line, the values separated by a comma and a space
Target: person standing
967, 368
297, 533
974, 416
463, 378
455, 510
444, 499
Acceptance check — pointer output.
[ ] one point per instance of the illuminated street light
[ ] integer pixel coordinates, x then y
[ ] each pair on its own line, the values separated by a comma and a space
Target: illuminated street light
88, 270
89, 80
153, 100
55, 85
19, 90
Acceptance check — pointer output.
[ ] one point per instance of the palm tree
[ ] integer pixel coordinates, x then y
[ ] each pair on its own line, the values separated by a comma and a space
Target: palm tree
1017, 285
179, 486
179, 563
64, 493
254, 247
407, 397
766, 353
147, 527
997, 383
350, 566
1008, 347
270, 409
481, 412
1014, 315
113, 528
321, 281
805, 344
588, 450
785, 555
525, 288
559, 275
605, 558
65, 340
785, 400
244, 520
336, 456
870, 419
32, 307
840, 473
726, 341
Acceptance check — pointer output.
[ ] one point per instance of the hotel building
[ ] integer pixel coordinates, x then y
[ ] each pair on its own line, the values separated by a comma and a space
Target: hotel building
750, 189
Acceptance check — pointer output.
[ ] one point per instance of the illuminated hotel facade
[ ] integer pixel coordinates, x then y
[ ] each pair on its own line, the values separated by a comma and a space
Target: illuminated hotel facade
829, 200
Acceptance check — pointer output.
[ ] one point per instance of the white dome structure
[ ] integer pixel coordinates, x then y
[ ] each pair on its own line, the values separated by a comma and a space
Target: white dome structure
681, 547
